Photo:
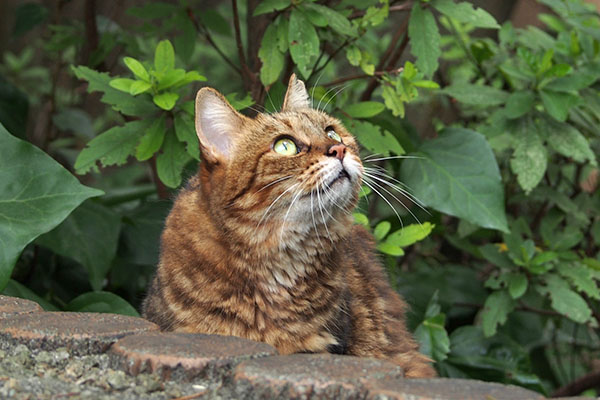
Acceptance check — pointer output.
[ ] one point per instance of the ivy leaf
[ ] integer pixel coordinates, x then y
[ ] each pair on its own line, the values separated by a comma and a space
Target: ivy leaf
476, 95
425, 39
465, 13
100, 82
335, 20
558, 104
152, 140
442, 177
568, 141
164, 56
272, 59
111, 147
36, 194
564, 300
530, 159
495, 311
101, 302
365, 109
303, 42
410, 234
89, 236
170, 163
267, 6
166, 100
137, 68
186, 132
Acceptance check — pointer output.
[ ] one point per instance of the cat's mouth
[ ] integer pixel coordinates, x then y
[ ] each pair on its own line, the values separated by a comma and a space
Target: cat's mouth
343, 174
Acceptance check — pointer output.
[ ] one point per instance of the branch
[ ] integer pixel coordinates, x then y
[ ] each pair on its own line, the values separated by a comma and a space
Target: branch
574, 388
331, 56
238, 39
202, 29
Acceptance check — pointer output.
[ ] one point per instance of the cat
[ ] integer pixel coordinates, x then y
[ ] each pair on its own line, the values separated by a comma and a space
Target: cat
261, 243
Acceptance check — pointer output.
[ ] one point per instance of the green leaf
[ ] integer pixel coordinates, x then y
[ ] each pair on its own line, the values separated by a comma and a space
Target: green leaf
89, 236
365, 109
137, 68
353, 55
476, 95
27, 16
443, 178
424, 39
581, 277
558, 104
574, 82
122, 84
15, 289
100, 82
111, 147
517, 284
361, 219
237, 104
101, 302
170, 77
465, 13
152, 140
568, 141
152, 10
381, 230
564, 300
303, 42
267, 6
391, 249
170, 163
164, 56
495, 311
410, 234
529, 159
139, 87
186, 132
36, 194
166, 100
335, 20
393, 101
272, 59
374, 138
433, 338
519, 104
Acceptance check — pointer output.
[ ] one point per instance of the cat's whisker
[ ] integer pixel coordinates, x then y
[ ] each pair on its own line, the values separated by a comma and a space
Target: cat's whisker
325, 95
322, 215
334, 96
372, 155
312, 213
392, 158
398, 186
370, 184
294, 186
298, 193
274, 182
327, 191
391, 194
312, 92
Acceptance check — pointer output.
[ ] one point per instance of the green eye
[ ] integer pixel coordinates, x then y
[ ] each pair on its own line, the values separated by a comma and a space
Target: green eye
285, 147
333, 134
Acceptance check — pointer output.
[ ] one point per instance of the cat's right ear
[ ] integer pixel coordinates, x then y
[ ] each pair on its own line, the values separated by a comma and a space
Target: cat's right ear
217, 125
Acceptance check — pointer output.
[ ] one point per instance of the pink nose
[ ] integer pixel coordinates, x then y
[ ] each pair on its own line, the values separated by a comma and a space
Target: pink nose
337, 150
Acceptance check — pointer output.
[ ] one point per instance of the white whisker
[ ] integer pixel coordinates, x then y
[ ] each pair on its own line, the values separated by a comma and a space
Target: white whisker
391, 194
392, 158
369, 184
274, 182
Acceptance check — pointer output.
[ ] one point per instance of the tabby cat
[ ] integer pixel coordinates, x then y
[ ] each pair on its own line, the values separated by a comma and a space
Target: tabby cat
261, 242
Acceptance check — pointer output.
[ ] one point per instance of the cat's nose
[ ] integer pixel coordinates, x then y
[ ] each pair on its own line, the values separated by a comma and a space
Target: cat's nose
337, 150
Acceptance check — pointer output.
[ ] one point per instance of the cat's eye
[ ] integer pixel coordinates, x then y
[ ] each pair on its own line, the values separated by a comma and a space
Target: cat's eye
332, 134
285, 147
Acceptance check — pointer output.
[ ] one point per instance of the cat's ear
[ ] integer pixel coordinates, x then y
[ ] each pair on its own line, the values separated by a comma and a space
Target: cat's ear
217, 125
296, 97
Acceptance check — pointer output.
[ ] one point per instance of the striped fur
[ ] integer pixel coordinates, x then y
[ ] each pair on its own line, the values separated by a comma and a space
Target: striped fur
263, 246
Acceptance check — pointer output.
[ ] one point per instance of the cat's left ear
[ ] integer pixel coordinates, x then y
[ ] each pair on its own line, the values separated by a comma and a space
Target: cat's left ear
217, 125
296, 97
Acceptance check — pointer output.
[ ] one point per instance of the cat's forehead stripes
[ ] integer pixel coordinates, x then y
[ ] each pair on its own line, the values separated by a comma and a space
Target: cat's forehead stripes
304, 126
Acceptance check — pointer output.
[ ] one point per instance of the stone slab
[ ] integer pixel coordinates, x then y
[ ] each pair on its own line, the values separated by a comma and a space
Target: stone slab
11, 306
310, 376
445, 389
80, 333
184, 355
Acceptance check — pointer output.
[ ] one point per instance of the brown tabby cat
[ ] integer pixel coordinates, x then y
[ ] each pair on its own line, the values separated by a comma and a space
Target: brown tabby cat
261, 243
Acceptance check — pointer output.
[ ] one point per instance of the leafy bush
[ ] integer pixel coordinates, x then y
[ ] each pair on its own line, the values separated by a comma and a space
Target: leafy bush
500, 256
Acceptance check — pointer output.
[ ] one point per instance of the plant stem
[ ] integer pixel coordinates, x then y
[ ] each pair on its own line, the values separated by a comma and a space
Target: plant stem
574, 388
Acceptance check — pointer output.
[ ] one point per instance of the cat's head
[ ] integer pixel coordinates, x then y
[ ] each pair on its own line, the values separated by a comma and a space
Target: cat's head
293, 170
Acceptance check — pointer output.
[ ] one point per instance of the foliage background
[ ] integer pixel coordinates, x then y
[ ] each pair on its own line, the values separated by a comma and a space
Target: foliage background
487, 213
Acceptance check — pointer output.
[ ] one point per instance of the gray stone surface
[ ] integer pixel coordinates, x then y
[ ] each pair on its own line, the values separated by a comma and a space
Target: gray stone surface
81, 333
181, 355
11, 306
